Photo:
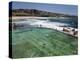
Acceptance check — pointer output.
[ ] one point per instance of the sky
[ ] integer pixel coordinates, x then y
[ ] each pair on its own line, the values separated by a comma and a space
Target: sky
55, 8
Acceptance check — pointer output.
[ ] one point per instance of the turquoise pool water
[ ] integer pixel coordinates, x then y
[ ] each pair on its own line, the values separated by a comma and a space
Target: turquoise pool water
39, 42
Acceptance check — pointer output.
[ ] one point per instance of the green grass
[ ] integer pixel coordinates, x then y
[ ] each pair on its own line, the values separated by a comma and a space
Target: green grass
42, 42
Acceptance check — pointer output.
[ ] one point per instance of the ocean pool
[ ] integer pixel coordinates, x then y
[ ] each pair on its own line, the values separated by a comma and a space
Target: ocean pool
40, 42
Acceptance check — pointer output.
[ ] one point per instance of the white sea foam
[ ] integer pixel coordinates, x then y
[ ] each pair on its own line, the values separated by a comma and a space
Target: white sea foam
41, 22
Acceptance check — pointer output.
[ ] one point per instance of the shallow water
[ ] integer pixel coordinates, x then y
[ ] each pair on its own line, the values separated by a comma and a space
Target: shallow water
42, 42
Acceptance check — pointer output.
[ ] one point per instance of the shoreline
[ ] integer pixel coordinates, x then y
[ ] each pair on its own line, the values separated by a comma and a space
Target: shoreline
32, 17
46, 24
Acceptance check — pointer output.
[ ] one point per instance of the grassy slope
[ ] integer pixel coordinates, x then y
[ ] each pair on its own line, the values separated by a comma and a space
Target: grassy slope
42, 42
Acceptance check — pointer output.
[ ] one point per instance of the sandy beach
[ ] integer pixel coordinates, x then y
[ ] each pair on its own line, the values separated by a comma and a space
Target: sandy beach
32, 17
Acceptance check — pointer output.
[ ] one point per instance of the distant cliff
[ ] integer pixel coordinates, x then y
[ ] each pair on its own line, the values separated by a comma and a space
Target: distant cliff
39, 13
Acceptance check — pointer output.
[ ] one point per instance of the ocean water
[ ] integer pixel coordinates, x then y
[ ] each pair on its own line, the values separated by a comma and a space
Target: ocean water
70, 22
